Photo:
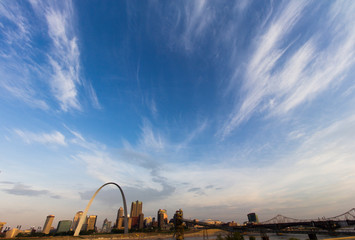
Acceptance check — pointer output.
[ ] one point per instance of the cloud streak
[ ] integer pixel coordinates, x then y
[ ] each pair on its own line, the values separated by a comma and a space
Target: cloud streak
55, 137
277, 88
35, 75
16, 65
64, 57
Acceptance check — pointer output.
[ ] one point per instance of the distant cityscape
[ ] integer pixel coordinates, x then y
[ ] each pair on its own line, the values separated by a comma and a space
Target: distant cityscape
342, 224
136, 222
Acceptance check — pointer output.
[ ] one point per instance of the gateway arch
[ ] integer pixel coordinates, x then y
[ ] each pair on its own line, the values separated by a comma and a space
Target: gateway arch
83, 217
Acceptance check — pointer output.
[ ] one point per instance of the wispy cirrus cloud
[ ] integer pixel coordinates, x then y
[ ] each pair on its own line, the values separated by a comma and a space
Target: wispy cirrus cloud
268, 51
64, 57
101, 164
277, 79
55, 137
190, 137
149, 139
16, 65
188, 22
138, 167
35, 75
198, 16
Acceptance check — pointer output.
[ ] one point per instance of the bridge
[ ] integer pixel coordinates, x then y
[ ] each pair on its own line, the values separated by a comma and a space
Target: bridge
329, 224
282, 224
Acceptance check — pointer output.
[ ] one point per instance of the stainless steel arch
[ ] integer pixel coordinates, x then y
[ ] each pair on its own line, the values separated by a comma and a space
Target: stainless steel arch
83, 217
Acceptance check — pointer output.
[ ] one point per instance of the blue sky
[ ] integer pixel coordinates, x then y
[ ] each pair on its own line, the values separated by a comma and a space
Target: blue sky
220, 108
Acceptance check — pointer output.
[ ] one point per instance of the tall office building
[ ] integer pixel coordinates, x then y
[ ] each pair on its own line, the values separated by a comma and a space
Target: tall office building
64, 226
136, 208
48, 224
252, 217
106, 226
76, 220
91, 223
141, 221
119, 219
120, 212
162, 218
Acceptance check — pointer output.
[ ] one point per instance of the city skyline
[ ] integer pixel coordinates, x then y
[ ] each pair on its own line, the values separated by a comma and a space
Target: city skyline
162, 223
220, 108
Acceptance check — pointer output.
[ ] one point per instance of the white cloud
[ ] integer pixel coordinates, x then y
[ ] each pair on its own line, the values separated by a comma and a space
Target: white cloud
267, 52
279, 88
139, 166
92, 94
195, 133
64, 58
16, 67
23, 75
150, 140
43, 138
198, 16
123, 168
128, 167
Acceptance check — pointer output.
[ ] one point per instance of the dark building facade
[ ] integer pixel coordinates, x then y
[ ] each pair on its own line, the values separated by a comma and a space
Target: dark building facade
252, 217
64, 226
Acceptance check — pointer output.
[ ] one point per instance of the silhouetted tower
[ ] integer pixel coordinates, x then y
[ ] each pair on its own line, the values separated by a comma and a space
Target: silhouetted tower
252, 217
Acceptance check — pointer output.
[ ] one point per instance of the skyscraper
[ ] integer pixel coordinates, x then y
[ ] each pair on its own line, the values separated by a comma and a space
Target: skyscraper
48, 224
141, 221
252, 217
91, 222
136, 208
119, 219
106, 226
64, 226
76, 220
120, 212
162, 218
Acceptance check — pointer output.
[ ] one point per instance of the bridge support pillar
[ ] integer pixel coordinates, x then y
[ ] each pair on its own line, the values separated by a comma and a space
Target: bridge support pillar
264, 236
312, 236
